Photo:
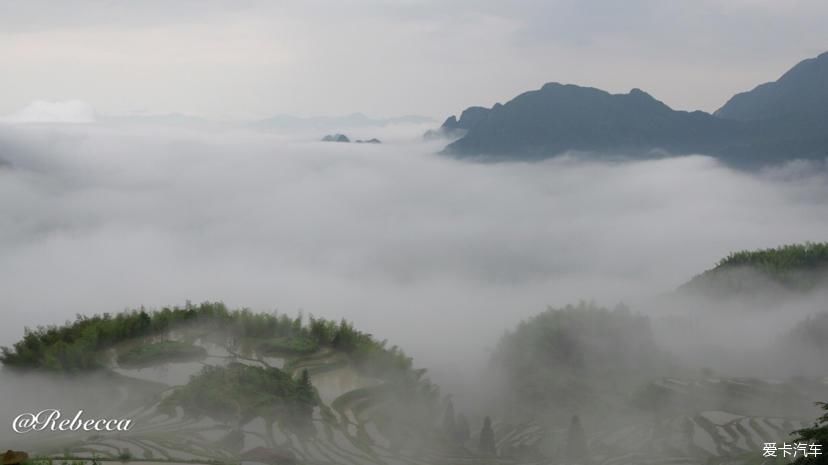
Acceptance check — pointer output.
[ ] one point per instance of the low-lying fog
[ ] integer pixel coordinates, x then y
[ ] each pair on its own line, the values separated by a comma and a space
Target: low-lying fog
437, 255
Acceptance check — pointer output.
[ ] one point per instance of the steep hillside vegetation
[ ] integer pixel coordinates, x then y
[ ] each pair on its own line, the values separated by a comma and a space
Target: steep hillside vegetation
789, 268
83, 344
210, 385
576, 358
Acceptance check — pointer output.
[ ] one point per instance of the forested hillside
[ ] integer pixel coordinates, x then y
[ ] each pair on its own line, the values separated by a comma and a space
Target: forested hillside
789, 268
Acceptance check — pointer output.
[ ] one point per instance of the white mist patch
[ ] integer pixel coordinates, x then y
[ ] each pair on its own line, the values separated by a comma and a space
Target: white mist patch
333, 383
437, 255
172, 374
44, 111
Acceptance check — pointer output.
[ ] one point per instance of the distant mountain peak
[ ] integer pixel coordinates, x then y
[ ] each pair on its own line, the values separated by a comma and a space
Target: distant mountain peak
801, 92
560, 117
553, 86
775, 122
636, 92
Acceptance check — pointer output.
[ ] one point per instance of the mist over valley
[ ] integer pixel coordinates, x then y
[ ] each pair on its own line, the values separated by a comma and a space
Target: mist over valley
241, 229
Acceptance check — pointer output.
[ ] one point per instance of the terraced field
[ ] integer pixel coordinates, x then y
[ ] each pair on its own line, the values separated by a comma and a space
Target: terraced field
351, 424
362, 420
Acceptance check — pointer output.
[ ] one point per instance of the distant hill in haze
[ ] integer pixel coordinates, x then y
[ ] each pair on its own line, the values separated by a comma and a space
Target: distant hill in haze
574, 358
776, 122
801, 93
559, 118
453, 128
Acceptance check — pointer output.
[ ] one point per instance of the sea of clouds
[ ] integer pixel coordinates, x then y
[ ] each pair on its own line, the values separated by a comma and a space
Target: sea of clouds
410, 245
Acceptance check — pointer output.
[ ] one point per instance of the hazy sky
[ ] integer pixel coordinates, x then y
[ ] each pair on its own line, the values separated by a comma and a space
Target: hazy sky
246, 58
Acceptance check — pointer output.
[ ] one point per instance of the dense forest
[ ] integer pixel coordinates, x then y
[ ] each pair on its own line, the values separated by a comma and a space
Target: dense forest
158, 352
816, 434
781, 259
795, 267
575, 357
77, 346
237, 393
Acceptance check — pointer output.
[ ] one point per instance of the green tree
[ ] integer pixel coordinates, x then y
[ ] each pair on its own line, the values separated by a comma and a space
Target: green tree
817, 434
304, 380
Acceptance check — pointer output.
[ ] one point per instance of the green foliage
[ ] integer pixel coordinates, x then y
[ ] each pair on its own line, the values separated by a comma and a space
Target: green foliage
164, 351
297, 345
781, 259
796, 267
125, 455
322, 330
574, 356
305, 381
817, 434
241, 393
44, 461
76, 346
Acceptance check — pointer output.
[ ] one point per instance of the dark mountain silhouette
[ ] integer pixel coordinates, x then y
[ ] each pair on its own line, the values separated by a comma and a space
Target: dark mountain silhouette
336, 138
454, 128
561, 118
468, 119
800, 93
343, 138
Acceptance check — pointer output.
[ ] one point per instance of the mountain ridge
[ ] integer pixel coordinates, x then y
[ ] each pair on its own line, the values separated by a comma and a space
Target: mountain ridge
773, 99
560, 118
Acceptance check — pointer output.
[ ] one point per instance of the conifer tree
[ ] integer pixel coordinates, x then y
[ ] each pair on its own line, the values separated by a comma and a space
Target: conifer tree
818, 435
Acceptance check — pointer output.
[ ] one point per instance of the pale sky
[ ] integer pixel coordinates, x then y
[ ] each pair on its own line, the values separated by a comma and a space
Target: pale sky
249, 58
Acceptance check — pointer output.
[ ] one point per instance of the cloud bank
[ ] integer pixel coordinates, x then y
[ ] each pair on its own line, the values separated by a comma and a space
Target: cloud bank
43, 111
411, 246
